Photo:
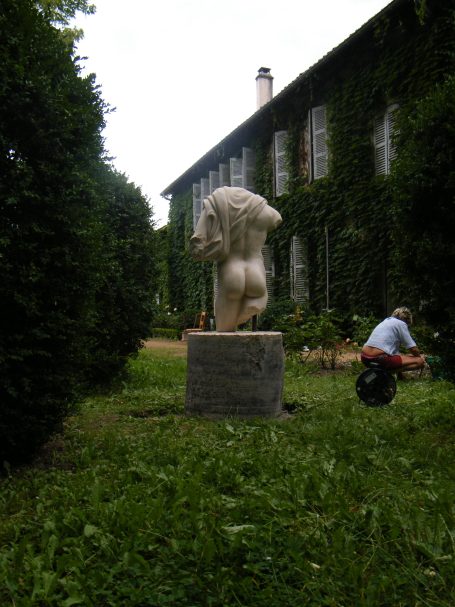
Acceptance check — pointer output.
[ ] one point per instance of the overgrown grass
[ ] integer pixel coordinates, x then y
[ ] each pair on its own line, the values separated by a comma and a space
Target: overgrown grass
138, 505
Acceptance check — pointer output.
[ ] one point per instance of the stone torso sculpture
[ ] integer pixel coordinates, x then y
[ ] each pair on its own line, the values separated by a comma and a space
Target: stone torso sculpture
232, 230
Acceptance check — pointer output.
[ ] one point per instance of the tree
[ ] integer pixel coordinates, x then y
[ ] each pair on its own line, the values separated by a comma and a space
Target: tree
50, 147
60, 13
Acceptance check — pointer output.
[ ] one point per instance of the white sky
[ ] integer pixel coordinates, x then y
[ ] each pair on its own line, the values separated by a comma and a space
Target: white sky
181, 73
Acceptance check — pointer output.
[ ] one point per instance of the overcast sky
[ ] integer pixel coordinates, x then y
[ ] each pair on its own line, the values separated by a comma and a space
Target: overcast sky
181, 73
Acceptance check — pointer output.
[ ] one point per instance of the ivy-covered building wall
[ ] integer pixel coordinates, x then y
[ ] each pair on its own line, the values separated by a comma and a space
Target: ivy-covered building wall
325, 150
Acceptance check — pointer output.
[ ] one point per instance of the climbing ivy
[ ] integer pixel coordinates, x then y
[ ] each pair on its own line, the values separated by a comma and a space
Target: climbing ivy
408, 53
403, 62
190, 282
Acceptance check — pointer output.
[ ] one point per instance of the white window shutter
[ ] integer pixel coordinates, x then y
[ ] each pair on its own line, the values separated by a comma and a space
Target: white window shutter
235, 165
380, 145
384, 147
205, 188
319, 141
214, 181
225, 176
392, 150
248, 168
197, 203
269, 269
281, 173
299, 270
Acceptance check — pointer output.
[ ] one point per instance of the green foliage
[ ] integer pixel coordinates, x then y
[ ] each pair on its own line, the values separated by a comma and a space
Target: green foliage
75, 238
362, 328
424, 204
61, 12
161, 259
124, 300
138, 505
50, 125
190, 281
279, 315
373, 222
322, 333
304, 331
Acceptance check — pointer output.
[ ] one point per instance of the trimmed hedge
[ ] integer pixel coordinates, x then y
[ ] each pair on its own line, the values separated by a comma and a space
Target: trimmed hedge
76, 240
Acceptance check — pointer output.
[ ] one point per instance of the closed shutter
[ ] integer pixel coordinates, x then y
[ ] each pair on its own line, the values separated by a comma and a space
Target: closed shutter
235, 165
248, 169
205, 188
214, 181
225, 176
380, 145
384, 146
319, 141
197, 203
281, 173
269, 269
299, 270
391, 128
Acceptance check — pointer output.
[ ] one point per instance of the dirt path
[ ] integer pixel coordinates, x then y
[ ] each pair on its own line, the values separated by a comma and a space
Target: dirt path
170, 346
179, 348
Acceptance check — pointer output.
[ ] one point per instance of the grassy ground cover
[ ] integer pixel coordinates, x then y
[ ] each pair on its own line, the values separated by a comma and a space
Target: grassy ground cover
138, 505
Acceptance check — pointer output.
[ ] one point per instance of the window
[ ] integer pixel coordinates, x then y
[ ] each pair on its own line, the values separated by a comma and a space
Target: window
235, 165
205, 188
214, 181
299, 270
197, 203
225, 177
319, 151
279, 153
243, 170
269, 269
384, 148
248, 169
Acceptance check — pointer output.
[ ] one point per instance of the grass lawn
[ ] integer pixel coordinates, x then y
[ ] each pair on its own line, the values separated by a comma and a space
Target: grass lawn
137, 505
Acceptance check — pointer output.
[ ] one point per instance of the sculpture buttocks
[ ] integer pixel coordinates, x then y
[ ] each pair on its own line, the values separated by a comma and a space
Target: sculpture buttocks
232, 230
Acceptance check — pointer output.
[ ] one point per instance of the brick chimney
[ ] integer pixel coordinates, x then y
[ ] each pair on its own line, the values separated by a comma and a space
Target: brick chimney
264, 86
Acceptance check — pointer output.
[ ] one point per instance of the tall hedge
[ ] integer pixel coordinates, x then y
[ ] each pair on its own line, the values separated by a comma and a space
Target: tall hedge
63, 249
125, 297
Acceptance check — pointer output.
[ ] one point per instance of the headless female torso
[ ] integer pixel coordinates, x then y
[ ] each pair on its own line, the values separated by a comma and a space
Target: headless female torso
242, 290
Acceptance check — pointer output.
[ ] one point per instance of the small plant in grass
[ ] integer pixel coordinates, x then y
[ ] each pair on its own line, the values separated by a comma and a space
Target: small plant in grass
322, 334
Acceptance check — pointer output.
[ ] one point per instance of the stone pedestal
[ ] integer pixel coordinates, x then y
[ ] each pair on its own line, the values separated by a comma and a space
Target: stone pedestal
235, 374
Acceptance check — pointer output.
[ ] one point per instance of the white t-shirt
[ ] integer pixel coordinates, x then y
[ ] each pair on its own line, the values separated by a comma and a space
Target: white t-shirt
389, 335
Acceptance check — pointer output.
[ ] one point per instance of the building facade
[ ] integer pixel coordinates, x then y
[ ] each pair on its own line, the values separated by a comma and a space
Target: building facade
321, 152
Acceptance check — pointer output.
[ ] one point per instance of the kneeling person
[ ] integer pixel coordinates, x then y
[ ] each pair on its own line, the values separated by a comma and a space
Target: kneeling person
383, 345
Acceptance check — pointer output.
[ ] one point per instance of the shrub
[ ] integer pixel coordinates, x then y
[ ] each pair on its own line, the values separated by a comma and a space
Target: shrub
322, 333
279, 315
50, 146
124, 297
362, 326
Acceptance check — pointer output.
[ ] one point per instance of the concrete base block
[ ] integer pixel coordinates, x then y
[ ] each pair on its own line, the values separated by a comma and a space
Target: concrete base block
235, 374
